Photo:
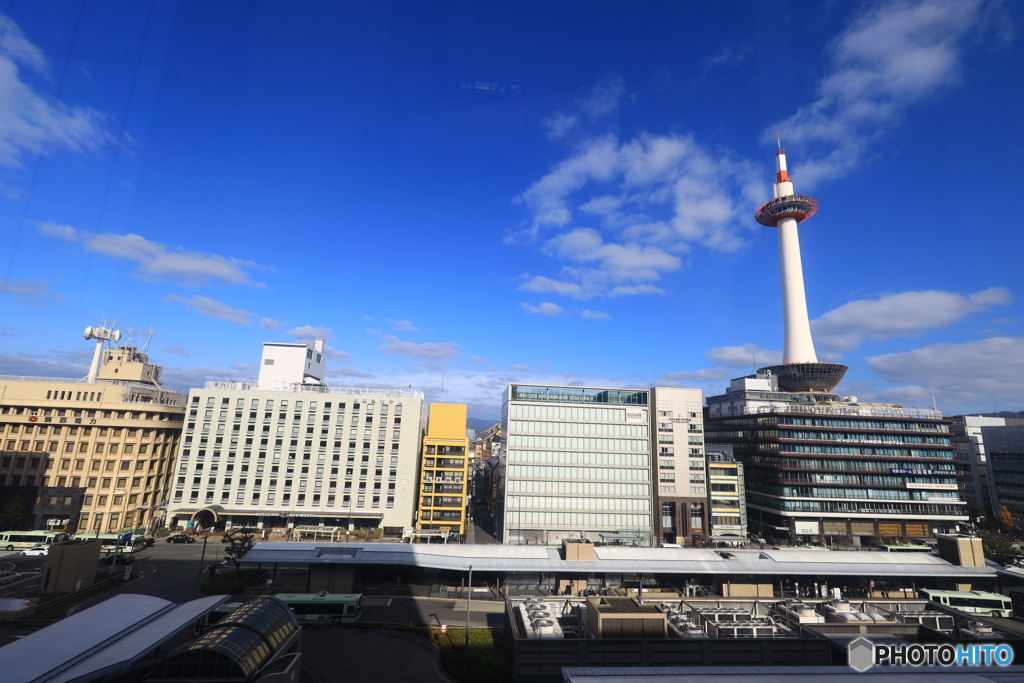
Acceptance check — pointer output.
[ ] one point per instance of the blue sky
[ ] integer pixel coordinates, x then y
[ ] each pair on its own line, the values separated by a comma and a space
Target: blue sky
515, 192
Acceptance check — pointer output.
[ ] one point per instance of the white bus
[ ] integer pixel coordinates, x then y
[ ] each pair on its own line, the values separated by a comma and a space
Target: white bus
974, 602
110, 544
22, 540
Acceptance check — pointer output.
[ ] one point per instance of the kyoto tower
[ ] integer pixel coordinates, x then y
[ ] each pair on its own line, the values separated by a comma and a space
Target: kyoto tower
800, 369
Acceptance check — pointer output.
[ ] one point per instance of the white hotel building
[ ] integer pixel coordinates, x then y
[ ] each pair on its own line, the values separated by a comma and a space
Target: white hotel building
289, 450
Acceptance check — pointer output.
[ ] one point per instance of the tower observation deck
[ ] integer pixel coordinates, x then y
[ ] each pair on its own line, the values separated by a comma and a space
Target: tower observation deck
800, 369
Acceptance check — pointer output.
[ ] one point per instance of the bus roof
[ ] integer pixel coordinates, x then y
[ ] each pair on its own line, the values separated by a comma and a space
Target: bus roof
932, 591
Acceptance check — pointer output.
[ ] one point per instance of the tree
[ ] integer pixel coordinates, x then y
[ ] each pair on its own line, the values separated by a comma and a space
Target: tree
239, 542
1005, 518
12, 515
999, 548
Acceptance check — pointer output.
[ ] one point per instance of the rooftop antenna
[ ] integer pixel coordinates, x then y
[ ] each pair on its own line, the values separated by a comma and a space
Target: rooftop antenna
778, 139
442, 384
149, 338
100, 334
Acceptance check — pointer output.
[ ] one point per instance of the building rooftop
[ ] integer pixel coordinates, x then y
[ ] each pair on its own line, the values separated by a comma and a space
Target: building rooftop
524, 558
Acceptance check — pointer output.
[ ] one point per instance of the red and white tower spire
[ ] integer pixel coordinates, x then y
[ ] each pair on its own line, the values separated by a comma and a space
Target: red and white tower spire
800, 369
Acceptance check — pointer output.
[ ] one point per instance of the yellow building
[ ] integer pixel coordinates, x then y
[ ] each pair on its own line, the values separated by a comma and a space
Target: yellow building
444, 470
93, 454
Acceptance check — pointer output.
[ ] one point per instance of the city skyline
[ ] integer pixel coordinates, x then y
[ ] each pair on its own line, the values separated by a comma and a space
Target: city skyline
515, 194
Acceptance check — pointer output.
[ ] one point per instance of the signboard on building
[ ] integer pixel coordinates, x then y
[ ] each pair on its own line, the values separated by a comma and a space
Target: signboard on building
636, 415
808, 528
942, 487
903, 470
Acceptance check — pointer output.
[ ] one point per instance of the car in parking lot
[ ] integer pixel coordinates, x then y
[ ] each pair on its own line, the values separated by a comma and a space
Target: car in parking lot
40, 549
180, 538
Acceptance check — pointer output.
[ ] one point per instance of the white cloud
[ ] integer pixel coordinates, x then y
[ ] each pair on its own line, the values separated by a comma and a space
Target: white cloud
559, 125
891, 56
652, 197
618, 262
708, 375
330, 353
270, 324
179, 350
351, 372
212, 308
158, 262
403, 325
310, 332
749, 356
960, 373
541, 283
33, 289
633, 290
595, 315
477, 359
32, 124
522, 368
545, 308
425, 351
902, 314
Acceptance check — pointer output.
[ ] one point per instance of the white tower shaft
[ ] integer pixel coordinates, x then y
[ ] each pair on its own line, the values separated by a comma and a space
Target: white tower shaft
798, 345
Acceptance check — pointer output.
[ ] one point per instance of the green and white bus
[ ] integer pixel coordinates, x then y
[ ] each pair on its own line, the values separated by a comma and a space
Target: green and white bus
906, 548
22, 540
324, 607
110, 545
972, 602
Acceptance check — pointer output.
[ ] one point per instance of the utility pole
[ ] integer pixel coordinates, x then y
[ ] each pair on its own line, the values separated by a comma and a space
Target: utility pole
202, 559
469, 601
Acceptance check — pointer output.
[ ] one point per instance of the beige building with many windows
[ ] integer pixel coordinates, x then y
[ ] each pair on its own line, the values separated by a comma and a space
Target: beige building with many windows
444, 478
681, 484
93, 454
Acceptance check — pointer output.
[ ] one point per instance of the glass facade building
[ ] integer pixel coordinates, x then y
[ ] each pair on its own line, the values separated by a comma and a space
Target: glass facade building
823, 469
576, 464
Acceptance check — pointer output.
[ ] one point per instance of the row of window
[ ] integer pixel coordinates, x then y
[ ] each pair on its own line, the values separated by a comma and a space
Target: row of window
579, 488
582, 504
576, 443
571, 473
61, 416
286, 499
269, 404
579, 428
521, 455
576, 520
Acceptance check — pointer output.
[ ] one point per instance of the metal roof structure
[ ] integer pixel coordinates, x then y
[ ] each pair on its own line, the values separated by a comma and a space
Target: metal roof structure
619, 559
794, 674
108, 637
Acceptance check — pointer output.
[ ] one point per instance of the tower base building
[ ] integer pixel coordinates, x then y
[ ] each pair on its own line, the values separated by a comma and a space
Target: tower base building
831, 470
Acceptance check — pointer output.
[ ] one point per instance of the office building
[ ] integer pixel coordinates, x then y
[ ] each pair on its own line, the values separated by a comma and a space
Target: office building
286, 453
680, 465
444, 471
972, 460
90, 454
576, 464
1005, 447
726, 496
821, 468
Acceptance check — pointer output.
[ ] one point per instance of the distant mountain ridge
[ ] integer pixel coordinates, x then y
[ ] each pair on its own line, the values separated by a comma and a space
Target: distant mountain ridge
478, 424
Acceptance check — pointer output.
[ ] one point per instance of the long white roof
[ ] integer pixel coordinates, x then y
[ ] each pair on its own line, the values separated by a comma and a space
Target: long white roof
526, 558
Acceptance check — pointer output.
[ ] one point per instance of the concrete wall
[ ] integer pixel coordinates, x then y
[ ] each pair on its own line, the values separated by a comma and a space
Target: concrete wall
70, 566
